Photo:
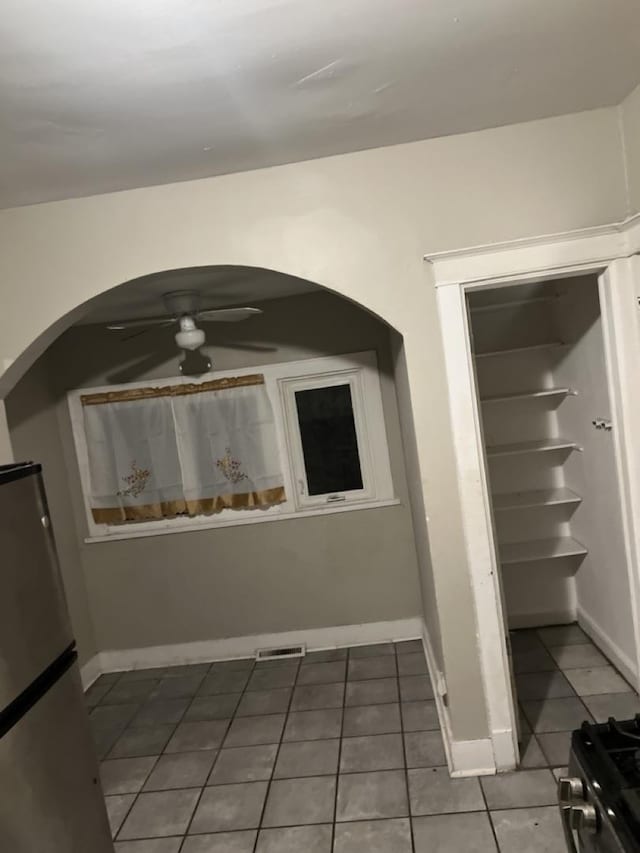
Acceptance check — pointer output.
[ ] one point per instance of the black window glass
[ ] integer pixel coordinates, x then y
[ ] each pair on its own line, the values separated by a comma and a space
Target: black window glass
329, 443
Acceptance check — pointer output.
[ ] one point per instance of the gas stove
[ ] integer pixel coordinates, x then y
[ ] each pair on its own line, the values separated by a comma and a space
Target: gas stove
600, 798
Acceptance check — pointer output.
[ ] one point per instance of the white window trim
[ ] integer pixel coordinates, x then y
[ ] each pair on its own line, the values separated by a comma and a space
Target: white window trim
276, 377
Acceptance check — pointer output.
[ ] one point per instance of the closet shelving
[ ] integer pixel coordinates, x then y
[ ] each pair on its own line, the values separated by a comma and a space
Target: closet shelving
494, 353
543, 445
525, 395
534, 498
517, 349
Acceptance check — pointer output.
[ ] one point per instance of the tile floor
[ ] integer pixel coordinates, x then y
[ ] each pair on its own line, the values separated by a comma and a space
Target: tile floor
337, 753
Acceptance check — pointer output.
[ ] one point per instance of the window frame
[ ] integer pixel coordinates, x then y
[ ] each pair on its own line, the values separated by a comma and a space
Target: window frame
279, 378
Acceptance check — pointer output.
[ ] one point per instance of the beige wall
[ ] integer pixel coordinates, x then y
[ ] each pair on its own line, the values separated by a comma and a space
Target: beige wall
31, 410
338, 569
630, 114
358, 224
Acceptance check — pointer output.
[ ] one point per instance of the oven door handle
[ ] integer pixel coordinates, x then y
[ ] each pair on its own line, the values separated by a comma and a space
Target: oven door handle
567, 817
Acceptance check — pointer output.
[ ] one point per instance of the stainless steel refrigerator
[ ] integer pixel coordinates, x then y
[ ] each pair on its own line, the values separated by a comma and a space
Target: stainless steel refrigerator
50, 795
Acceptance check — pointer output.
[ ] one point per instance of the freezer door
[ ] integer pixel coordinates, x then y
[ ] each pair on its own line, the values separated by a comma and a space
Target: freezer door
51, 800
34, 622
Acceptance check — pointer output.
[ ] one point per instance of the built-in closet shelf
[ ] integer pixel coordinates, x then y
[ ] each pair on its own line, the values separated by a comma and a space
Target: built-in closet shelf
519, 350
540, 549
526, 395
544, 445
536, 498
514, 303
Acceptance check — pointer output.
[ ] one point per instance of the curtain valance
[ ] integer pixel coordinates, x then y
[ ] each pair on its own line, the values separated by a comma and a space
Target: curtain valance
187, 449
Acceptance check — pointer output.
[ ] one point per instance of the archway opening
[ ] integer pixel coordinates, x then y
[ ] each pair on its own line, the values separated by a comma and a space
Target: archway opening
155, 597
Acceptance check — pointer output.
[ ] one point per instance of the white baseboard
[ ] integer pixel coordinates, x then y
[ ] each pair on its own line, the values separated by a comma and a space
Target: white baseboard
464, 757
116, 660
539, 620
90, 670
621, 660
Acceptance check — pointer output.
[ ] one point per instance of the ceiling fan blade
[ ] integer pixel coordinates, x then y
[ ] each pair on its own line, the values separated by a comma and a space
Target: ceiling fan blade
140, 332
149, 321
226, 315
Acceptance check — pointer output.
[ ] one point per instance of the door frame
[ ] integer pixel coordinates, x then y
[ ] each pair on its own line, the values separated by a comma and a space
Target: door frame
610, 252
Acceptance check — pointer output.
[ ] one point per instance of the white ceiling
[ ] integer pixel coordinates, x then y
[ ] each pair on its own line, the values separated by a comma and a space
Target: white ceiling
100, 96
219, 287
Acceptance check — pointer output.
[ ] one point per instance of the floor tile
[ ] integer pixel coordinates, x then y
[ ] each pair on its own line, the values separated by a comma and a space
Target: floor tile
204, 734
419, 716
133, 691
521, 789
555, 715
125, 775
367, 796
562, 635
372, 752
529, 830
322, 673
371, 720
104, 736
555, 746
177, 687
160, 813
408, 647
324, 656
250, 731
272, 678
183, 770
415, 688
244, 764
531, 755
373, 836
533, 660
264, 702
117, 809
149, 845
155, 672
114, 714
300, 801
360, 669
97, 692
312, 696
424, 749
377, 691
524, 641
226, 681
622, 706
414, 664
220, 707
224, 808
195, 670
158, 712
577, 656
543, 685
141, 740
601, 679
222, 842
372, 651
296, 839
313, 725
307, 758
432, 791
239, 665
454, 833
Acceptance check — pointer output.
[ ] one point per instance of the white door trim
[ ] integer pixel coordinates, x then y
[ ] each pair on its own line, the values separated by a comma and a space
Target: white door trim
603, 250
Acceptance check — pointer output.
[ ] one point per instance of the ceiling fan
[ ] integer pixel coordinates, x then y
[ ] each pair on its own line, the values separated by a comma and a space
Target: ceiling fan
183, 308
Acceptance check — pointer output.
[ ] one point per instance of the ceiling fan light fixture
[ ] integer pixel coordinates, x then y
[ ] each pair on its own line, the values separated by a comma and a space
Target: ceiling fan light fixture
189, 337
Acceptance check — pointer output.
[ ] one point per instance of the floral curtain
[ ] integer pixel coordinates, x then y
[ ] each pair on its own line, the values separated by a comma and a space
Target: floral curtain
187, 449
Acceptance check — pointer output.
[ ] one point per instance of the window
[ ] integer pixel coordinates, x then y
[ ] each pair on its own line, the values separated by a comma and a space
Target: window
328, 451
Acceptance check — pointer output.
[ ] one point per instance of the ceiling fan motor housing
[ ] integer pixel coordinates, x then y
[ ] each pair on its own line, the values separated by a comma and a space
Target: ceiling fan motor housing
180, 302
189, 336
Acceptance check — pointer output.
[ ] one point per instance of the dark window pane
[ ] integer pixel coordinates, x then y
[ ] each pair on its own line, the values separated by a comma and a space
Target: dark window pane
329, 443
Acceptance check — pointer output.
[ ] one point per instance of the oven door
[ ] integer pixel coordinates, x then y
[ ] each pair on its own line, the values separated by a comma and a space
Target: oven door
588, 827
